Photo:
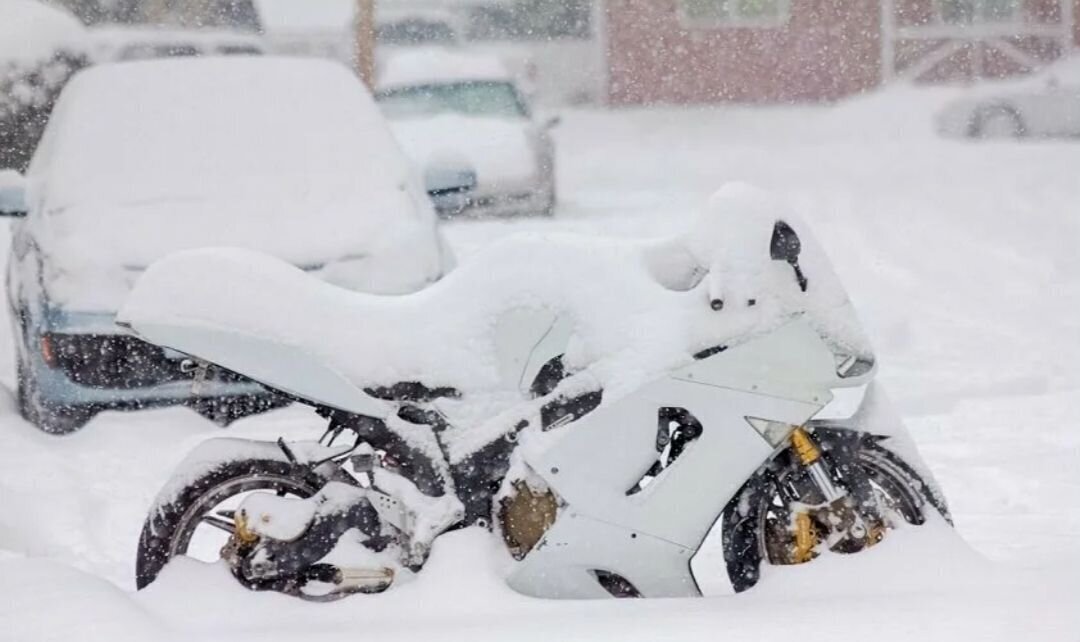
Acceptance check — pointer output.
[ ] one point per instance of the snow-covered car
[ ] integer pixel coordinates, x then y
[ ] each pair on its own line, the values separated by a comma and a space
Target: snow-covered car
140, 43
1044, 104
464, 120
288, 156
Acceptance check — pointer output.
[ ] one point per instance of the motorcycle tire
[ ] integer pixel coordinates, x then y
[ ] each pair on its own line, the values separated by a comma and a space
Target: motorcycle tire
170, 525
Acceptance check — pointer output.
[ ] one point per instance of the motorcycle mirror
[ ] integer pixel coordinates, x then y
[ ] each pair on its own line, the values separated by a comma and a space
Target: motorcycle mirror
786, 246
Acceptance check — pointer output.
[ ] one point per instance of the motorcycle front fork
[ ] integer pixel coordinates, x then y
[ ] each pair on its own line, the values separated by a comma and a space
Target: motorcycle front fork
832, 516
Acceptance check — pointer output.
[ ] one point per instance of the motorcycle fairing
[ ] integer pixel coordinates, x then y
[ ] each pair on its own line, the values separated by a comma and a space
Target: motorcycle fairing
785, 376
260, 358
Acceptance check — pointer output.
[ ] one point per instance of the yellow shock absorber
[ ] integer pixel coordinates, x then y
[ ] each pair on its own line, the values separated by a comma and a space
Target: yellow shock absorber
805, 539
243, 533
804, 447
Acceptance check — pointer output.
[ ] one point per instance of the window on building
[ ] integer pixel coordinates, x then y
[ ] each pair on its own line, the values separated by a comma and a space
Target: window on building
979, 11
736, 12
529, 20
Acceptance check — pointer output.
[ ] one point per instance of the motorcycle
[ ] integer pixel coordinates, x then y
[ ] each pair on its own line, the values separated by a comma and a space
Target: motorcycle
603, 408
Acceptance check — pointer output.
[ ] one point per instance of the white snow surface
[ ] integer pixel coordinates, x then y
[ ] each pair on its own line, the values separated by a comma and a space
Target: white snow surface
31, 31
962, 261
286, 156
413, 66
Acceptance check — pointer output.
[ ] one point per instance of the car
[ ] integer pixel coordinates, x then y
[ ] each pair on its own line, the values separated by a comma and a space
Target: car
1044, 104
413, 26
463, 119
288, 156
111, 44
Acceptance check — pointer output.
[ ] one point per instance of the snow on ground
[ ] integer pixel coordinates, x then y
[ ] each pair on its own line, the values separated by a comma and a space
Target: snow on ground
962, 260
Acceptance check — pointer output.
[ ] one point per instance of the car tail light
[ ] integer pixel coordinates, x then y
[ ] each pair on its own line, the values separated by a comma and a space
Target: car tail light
48, 350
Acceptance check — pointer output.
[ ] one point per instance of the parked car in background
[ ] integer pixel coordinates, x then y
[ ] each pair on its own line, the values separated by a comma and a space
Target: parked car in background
462, 118
287, 156
413, 26
140, 43
1044, 104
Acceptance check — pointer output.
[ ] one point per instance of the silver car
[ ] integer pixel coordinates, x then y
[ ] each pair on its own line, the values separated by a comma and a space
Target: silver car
1044, 104
287, 157
467, 125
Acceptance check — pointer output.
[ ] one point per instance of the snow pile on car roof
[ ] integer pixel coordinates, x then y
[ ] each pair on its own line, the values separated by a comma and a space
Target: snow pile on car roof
433, 65
287, 156
30, 30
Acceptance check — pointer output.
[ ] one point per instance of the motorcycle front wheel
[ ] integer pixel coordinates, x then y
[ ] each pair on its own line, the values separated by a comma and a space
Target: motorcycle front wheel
758, 522
187, 523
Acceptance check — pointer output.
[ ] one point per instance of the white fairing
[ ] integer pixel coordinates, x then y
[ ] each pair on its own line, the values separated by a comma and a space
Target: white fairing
649, 537
288, 368
525, 340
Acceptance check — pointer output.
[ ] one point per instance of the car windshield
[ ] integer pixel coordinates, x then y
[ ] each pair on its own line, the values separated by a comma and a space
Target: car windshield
479, 98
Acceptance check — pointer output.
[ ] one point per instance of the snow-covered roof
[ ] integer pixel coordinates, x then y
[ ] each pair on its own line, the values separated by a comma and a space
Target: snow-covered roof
427, 65
31, 30
259, 152
306, 15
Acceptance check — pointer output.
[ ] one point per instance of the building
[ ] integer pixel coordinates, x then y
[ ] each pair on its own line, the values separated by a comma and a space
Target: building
700, 51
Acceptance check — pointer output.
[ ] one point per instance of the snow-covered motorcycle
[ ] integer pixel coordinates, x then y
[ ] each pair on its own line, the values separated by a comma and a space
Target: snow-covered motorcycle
604, 407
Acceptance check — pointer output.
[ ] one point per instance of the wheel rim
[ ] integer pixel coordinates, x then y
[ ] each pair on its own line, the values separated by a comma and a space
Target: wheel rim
213, 511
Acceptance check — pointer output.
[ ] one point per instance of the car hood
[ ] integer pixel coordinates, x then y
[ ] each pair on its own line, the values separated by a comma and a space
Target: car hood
501, 151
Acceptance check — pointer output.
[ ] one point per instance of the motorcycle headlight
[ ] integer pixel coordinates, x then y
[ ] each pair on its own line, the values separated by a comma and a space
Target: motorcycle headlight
774, 432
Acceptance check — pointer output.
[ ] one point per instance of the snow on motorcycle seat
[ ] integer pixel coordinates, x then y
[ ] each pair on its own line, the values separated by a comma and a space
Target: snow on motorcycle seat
624, 315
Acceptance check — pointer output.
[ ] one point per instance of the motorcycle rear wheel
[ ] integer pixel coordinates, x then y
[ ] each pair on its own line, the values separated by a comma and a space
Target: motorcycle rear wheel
170, 526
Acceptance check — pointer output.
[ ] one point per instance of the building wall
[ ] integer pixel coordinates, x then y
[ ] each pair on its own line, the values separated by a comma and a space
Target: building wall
1076, 23
828, 49
992, 56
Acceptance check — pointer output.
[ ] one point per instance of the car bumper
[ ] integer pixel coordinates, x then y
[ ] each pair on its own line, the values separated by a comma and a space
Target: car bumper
499, 204
89, 362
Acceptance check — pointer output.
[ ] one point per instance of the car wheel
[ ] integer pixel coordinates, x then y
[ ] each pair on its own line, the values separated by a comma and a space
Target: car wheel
998, 122
55, 420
